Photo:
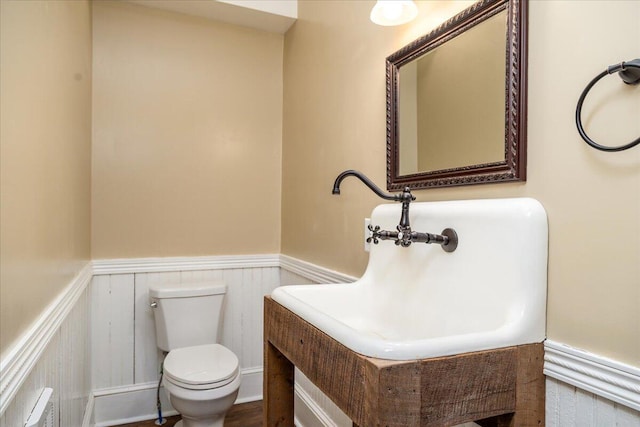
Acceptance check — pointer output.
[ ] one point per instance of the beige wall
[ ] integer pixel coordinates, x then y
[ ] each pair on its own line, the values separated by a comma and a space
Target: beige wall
187, 131
45, 142
334, 103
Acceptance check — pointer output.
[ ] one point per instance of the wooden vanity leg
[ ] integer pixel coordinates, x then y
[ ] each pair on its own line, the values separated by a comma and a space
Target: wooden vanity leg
278, 388
530, 387
530, 391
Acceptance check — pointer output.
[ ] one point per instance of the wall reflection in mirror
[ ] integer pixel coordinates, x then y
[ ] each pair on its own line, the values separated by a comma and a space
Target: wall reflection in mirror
456, 101
451, 102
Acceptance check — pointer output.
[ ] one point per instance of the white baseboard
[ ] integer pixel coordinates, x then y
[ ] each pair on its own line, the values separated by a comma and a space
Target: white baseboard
128, 404
603, 377
251, 385
122, 405
308, 412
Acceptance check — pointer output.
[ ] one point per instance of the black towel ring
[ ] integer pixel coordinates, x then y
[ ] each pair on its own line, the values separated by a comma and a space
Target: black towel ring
629, 72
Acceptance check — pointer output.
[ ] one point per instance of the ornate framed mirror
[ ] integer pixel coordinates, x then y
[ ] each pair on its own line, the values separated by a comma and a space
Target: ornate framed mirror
456, 101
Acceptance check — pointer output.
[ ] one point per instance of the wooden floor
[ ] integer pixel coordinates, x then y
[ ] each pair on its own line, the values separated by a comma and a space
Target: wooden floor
242, 415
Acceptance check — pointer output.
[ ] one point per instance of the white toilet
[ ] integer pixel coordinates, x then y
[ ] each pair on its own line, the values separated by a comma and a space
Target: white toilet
201, 377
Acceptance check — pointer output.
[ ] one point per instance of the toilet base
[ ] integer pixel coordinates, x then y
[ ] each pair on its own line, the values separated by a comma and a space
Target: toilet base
209, 411
192, 423
202, 408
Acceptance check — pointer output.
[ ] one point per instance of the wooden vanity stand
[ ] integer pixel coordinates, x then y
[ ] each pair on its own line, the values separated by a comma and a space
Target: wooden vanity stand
501, 387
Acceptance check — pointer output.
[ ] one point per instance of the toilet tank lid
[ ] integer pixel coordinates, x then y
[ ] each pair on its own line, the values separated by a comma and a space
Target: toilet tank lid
184, 290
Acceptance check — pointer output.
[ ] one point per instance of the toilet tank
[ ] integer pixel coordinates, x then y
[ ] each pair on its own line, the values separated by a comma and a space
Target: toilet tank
187, 314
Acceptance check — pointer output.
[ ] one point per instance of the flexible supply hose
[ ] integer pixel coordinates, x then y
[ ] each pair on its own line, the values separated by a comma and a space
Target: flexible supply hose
160, 420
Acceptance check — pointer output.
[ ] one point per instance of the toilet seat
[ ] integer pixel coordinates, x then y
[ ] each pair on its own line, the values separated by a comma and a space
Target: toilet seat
201, 367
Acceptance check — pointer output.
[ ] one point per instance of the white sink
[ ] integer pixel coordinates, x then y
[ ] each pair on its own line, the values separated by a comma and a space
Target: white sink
421, 302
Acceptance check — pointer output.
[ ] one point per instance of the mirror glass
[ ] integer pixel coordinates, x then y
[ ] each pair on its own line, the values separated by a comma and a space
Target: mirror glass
454, 105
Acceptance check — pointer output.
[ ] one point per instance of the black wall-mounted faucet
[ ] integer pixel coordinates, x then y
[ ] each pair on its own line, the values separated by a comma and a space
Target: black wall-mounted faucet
405, 197
404, 236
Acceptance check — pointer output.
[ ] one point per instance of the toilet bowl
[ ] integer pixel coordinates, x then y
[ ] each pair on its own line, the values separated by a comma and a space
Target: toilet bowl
201, 377
202, 383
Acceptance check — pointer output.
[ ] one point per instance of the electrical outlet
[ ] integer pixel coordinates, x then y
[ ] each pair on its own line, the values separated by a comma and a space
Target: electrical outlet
367, 233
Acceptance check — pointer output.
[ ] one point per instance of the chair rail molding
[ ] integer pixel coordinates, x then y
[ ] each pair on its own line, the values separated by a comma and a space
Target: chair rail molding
159, 265
603, 377
313, 272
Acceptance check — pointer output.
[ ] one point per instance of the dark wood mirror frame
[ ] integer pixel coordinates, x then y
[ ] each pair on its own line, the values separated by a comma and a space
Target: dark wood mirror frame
513, 167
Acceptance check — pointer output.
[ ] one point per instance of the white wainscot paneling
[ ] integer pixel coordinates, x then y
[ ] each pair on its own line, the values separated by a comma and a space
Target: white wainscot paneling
569, 406
74, 355
44, 374
290, 278
62, 364
112, 326
123, 322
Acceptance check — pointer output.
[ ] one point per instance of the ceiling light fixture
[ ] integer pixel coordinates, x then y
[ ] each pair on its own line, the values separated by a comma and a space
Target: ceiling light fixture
393, 12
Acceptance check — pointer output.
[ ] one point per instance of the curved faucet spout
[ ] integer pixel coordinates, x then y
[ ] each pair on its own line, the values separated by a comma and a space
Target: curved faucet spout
395, 197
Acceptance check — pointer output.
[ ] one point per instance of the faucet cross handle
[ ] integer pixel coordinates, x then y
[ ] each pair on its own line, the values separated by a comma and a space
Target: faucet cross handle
375, 234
